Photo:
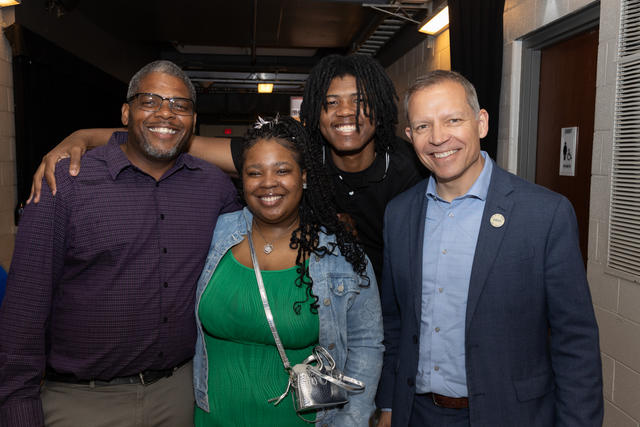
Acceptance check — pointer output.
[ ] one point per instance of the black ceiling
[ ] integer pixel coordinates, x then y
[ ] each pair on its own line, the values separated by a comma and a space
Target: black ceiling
278, 23
226, 44
227, 47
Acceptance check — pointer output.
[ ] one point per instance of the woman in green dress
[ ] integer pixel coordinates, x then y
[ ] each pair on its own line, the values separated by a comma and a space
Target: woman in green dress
318, 280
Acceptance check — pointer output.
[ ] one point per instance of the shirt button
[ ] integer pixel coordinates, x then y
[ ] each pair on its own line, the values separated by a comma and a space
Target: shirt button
436, 368
444, 252
327, 301
157, 184
340, 288
161, 216
164, 250
165, 284
440, 290
331, 346
165, 319
437, 329
450, 214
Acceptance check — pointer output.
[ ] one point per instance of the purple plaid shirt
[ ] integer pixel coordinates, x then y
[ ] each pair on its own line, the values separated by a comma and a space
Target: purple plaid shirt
104, 275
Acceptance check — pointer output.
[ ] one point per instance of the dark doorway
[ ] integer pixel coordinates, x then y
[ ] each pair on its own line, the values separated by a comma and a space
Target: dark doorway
55, 93
567, 99
557, 92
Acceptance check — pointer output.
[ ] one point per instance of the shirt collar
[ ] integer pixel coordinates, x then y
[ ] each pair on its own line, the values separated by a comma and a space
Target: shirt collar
480, 187
117, 161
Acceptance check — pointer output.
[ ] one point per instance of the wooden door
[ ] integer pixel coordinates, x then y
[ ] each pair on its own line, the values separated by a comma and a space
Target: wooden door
567, 99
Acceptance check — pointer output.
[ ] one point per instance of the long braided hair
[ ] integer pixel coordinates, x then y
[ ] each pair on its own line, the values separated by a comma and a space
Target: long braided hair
374, 87
317, 212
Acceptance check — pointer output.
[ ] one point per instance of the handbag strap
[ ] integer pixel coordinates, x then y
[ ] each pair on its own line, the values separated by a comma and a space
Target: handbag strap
341, 381
265, 304
319, 352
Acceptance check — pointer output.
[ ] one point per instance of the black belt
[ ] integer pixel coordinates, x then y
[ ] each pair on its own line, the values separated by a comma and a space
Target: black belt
147, 377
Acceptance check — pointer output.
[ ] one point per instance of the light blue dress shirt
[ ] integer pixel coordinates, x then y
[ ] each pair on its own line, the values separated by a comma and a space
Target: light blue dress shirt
450, 237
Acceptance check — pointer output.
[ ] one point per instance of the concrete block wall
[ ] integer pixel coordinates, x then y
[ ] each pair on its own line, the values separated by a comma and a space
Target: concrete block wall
429, 55
616, 300
8, 188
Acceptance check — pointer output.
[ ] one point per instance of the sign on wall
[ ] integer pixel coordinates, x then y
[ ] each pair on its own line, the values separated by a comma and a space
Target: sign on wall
568, 151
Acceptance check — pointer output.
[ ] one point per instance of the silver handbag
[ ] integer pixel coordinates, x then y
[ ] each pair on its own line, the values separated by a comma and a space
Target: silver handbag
316, 382
322, 385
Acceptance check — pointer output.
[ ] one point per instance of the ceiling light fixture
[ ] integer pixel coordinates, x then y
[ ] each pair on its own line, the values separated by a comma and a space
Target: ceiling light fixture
5, 3
436, 23
265, 87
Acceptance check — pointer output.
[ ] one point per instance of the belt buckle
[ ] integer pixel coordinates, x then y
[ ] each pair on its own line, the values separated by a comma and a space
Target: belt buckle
435, 402
149, 377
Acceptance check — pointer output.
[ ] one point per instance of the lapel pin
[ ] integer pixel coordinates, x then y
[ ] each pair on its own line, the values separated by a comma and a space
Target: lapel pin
497, 220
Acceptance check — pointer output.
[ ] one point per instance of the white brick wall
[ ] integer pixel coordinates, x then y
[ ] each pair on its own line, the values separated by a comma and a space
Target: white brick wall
8, 187
616, 301
428, 55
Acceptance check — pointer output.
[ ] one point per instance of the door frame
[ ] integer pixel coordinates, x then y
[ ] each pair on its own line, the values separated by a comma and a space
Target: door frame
577, 22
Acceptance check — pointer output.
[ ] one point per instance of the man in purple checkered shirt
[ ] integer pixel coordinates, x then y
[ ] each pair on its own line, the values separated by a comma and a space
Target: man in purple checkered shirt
100, 295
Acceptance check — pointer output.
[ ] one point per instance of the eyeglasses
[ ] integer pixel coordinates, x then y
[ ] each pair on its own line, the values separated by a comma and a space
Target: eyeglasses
153, 102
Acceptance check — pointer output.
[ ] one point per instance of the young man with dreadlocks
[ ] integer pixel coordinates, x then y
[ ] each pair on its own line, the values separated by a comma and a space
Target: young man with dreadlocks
349, 109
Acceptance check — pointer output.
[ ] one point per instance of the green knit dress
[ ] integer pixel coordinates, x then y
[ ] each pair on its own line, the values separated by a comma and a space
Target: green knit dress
245, 369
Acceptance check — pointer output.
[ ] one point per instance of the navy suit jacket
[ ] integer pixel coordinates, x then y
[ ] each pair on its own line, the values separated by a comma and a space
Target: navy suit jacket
531, 339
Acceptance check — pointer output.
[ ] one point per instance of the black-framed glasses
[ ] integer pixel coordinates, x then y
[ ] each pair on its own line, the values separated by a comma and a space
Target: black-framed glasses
153, 102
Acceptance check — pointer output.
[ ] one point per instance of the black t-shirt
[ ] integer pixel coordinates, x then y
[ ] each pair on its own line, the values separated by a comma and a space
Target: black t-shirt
364, 195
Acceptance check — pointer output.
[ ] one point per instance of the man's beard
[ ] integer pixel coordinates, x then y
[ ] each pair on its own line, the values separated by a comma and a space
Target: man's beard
154, 153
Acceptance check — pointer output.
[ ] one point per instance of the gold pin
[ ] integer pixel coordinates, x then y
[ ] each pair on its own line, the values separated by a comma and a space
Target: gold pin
497, 220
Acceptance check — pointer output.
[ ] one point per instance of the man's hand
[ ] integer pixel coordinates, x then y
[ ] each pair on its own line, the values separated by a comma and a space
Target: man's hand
48, 167
385, 419
73, 146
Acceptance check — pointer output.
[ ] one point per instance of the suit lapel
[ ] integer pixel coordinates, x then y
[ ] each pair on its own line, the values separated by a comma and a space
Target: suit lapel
417, 218
489, 237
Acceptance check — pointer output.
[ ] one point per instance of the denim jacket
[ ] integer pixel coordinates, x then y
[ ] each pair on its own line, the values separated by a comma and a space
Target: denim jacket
349, 316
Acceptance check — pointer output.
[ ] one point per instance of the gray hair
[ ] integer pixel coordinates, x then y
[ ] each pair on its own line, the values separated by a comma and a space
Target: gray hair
161, 66
440, 76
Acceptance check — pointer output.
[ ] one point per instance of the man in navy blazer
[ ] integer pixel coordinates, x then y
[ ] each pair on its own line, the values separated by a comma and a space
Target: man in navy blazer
487, 313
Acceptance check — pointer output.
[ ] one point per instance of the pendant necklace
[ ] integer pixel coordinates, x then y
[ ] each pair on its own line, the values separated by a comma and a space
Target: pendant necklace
268, 246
